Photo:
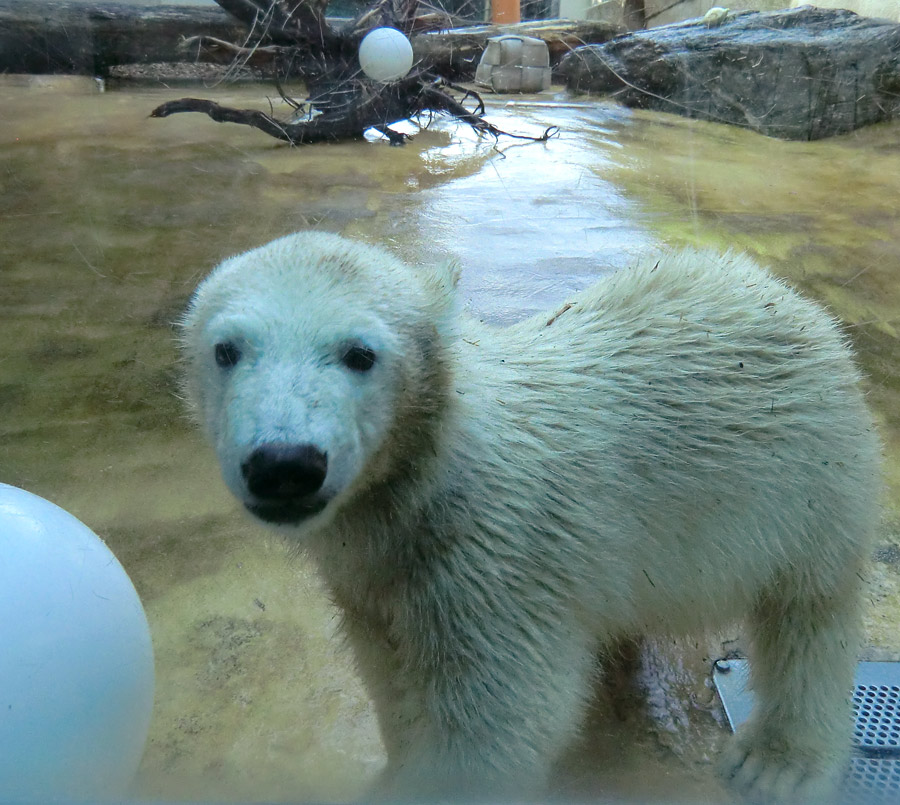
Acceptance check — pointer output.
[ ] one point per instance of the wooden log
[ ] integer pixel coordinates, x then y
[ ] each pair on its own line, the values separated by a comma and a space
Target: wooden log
37, 36
800, 74
455, 53
60, 36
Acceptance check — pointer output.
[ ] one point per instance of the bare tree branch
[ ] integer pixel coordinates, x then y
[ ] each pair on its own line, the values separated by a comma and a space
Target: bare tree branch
365, 107
292, 37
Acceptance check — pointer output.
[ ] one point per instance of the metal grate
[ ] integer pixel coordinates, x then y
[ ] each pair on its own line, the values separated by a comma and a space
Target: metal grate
872, 780
877, 709
874, 774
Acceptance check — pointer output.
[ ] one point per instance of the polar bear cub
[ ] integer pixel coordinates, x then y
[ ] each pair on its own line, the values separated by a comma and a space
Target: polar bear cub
681, 445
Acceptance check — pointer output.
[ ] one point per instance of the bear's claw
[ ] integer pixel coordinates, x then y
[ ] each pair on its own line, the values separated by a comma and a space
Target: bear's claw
766, 776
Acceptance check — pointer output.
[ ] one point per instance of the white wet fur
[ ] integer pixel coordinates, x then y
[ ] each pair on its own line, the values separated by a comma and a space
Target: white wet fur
681, 445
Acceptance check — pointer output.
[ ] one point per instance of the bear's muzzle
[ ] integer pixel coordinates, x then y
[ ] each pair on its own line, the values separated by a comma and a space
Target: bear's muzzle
283, 480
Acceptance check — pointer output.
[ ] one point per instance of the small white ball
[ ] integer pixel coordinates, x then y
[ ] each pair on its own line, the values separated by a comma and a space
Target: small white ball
76, 661
385, 54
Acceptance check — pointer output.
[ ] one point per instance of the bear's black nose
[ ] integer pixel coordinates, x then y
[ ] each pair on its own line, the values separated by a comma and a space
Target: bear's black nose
283, 472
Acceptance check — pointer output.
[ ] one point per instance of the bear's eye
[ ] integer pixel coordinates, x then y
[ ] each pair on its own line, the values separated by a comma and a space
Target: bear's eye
359, 358
227, 354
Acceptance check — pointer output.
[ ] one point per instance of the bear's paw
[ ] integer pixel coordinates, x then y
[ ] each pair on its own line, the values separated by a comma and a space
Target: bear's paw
776, 774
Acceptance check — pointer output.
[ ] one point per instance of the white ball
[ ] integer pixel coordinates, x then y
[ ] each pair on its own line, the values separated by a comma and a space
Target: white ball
76, 662
385, 54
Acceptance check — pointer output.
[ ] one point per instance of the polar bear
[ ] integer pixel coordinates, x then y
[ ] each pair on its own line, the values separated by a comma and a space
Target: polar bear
681, 445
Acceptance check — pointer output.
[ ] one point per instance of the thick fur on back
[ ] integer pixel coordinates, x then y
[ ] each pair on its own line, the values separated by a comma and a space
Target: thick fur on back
683, 444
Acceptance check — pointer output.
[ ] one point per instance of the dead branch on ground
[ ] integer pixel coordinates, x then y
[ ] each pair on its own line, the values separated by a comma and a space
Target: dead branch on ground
294, 39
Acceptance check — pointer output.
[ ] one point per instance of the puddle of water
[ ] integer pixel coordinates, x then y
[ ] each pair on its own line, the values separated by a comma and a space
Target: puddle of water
107, 221
538, 221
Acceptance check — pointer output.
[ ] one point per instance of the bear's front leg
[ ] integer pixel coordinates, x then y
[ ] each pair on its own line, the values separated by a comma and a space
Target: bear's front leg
476, 720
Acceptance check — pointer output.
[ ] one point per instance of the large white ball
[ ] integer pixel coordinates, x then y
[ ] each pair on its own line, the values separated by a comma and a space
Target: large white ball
76, 662
385, 54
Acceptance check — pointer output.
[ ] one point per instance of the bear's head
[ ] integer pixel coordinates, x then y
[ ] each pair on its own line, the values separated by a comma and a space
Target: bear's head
318, 367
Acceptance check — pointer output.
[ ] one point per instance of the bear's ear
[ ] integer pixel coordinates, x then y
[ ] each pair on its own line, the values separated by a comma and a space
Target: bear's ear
447, 274
453, 271
441, 279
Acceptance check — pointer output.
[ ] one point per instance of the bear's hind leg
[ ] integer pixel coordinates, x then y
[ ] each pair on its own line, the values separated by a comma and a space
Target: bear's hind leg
796, 744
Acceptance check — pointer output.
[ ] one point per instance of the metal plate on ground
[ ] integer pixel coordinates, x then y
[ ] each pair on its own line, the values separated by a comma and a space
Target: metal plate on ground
874, 774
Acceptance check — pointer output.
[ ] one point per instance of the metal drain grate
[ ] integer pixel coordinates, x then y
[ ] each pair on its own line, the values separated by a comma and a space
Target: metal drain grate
872, 780
877, 709
874, 774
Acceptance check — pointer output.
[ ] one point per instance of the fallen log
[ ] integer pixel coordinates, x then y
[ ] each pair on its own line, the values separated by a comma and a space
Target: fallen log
456, 52
61, 36
800, 74
88, 39
453, 54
